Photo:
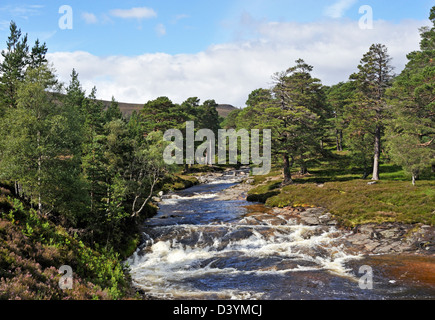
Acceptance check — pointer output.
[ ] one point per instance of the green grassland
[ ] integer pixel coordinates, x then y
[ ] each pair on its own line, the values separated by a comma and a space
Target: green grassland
338, 186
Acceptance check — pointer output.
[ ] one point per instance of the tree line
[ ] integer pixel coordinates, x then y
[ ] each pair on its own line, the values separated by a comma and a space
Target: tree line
374, 112
73, 159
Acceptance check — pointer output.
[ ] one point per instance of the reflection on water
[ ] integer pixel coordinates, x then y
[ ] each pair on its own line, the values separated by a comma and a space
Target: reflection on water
200, 248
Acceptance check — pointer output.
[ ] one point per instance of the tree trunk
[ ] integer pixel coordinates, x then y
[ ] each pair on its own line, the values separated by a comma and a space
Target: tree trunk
136, 213
339, 139
304, 169
377, 154
415, 174
286, 170
39, 176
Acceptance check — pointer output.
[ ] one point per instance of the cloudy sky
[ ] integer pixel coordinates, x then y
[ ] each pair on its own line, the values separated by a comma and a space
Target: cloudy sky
139, 50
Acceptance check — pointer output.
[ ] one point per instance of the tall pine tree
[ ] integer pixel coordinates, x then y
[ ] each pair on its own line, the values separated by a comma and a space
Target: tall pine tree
373, 79
13, 66
411, 130
300, 99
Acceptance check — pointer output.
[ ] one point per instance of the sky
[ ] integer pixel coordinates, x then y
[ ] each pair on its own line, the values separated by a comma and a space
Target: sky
137, 51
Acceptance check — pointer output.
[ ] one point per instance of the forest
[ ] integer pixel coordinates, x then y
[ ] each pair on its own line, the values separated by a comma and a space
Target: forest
77, 178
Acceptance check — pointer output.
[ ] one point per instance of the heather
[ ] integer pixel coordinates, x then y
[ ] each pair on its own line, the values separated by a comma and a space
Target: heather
32, 249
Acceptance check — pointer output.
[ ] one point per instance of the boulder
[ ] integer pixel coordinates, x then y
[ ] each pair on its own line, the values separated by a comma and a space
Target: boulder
310, 220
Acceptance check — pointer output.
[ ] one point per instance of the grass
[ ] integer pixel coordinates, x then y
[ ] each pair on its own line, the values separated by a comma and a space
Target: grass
338, 186
354, 202
177, 182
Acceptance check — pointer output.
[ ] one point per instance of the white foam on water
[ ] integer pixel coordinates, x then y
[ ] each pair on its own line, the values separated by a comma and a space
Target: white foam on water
166, 264
166, 268
175, 199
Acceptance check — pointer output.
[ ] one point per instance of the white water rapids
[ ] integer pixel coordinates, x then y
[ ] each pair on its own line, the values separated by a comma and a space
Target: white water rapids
198, 247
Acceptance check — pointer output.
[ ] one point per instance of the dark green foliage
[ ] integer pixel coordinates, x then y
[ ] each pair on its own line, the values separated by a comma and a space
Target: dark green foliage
113, 112
162, 114
230, 122
207, 116
372, 80
411, 130
13, 66
37, 55
338, 97
294, 110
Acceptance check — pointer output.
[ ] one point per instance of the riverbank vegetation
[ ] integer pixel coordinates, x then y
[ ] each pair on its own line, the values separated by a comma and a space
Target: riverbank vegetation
77, 178
349, 198
328, 141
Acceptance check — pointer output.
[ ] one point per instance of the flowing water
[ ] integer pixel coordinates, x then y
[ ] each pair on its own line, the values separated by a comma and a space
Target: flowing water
198, 247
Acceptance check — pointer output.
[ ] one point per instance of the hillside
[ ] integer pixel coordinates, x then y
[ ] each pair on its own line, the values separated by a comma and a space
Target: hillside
33, 250
128, 108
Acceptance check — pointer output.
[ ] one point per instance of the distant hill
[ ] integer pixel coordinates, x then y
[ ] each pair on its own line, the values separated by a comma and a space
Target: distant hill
128, 108
225, 109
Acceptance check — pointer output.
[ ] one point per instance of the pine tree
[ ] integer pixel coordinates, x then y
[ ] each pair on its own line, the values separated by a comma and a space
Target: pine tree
38, 55
289, 109
338, 97
253, 115
207, 116
359, 131
162, 114
93, 159
191, 107
113, 112
301, 100
411, 130
13, 67
373, 79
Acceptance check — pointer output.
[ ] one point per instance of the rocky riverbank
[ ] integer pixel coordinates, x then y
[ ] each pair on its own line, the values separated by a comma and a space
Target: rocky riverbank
367, 239
386, 238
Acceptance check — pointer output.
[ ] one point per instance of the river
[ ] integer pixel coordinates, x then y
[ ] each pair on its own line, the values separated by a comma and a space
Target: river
200, 247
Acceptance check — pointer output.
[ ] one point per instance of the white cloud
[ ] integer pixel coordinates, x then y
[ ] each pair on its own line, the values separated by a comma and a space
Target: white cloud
137, 13
179, 17
161, 30
4, 25
229, 72
339, 8
23, 11
89, 18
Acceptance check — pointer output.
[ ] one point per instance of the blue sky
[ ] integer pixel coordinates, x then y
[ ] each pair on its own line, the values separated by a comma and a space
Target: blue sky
218, 39
178, 26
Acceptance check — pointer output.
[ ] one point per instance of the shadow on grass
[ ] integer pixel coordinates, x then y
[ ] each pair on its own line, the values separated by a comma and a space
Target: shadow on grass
388, 172
264, 192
